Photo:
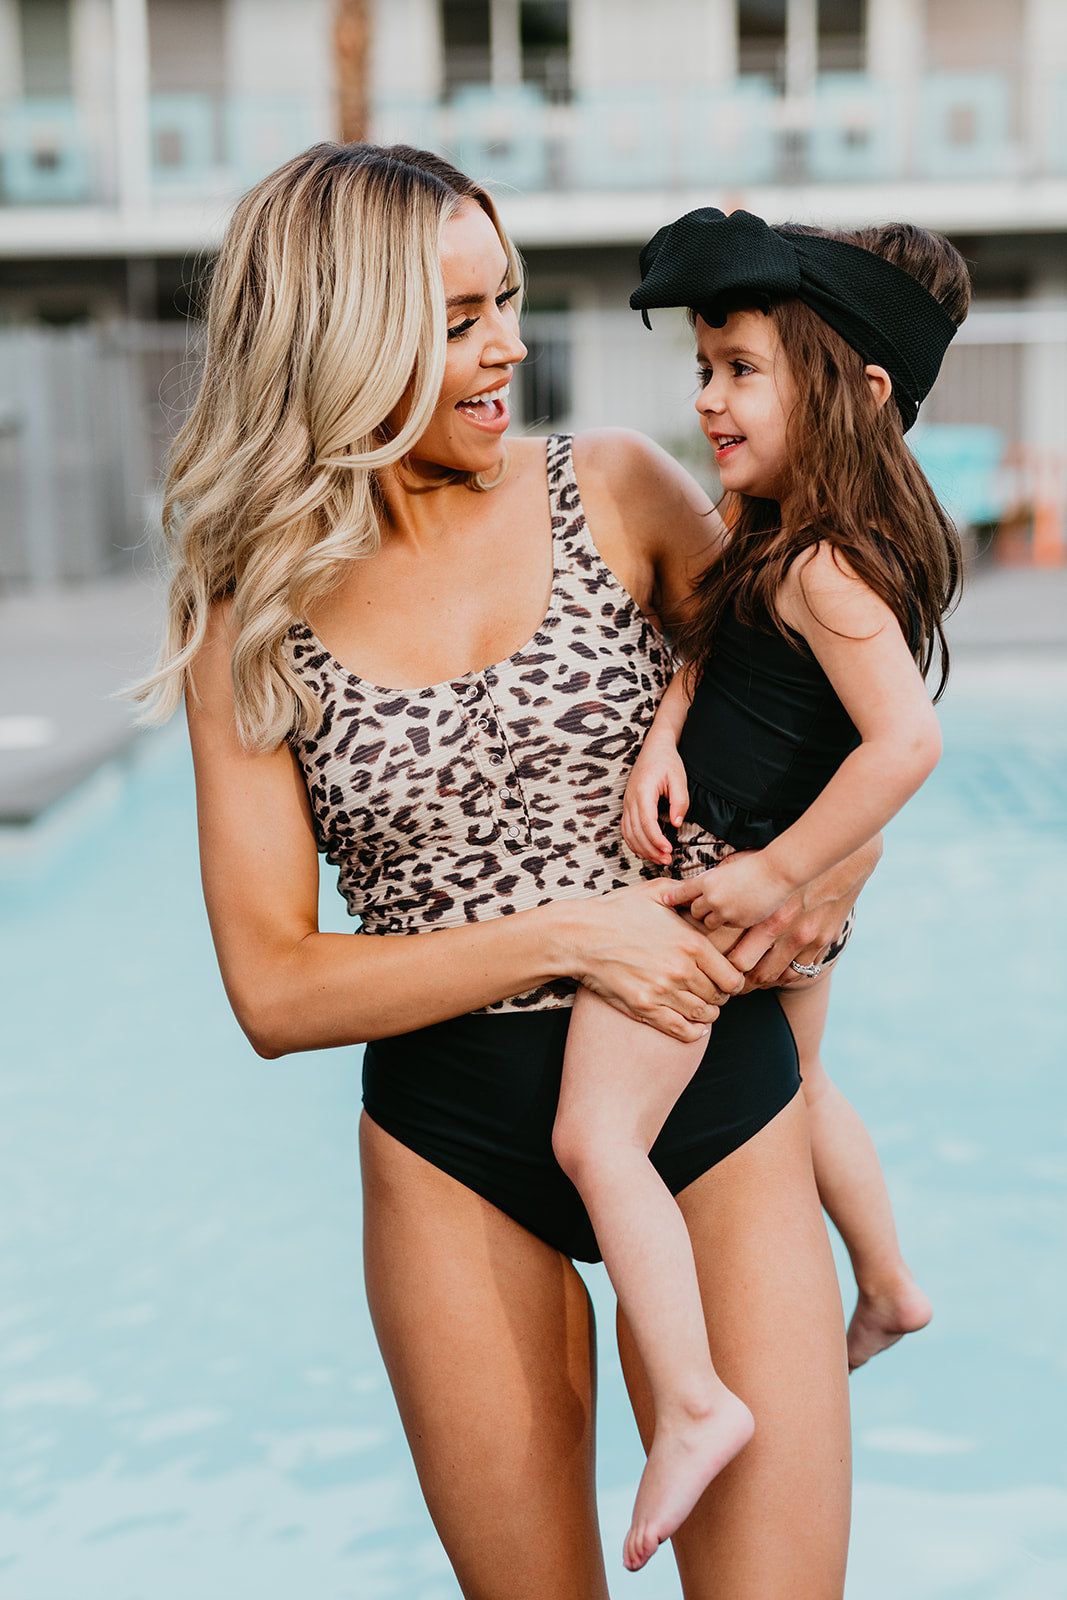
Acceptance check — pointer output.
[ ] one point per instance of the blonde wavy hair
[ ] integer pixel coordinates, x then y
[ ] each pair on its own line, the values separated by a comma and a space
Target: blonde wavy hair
326, 309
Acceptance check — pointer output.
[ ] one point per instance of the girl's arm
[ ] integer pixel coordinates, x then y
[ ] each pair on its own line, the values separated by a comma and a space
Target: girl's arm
658, 531
658, 773
858, 643
294, 988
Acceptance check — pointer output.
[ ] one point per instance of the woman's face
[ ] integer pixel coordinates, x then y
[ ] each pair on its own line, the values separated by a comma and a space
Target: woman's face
468, 425
744, 404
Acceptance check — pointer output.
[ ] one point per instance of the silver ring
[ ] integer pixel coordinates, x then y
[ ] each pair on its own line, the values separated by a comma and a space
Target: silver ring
806, 972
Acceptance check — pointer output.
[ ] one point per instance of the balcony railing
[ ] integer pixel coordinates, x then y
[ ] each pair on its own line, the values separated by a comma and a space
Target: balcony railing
853, 129
56, 151
946, 125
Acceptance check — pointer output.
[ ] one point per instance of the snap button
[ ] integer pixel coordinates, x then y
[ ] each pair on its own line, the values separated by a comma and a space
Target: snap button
513, 832
495, 761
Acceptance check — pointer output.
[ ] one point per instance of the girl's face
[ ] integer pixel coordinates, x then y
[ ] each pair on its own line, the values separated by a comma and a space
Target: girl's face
466, 431
745, 401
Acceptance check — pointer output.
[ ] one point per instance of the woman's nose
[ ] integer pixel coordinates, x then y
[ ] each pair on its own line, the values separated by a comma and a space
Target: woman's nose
505, 349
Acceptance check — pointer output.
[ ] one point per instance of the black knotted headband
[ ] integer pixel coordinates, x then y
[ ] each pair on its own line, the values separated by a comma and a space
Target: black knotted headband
713, 263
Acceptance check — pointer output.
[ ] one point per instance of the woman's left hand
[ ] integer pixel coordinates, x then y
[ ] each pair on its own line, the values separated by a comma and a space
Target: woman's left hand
805, 925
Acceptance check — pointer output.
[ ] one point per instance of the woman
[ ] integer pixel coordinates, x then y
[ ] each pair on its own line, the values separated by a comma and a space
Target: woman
346, 517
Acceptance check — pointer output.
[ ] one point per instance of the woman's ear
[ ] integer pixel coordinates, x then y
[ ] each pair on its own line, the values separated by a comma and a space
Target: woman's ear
881, 384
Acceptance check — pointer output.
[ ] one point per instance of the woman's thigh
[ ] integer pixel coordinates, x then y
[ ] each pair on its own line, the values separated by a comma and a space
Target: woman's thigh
487, 1334
774, 1524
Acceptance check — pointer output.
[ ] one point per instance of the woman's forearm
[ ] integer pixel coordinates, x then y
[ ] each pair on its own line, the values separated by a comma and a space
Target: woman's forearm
310, 990
329, 989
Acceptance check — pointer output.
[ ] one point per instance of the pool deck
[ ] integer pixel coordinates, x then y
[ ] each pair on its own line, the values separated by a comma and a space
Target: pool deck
64, 654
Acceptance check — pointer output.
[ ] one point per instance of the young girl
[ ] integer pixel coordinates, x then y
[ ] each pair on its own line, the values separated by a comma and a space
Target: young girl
797, 729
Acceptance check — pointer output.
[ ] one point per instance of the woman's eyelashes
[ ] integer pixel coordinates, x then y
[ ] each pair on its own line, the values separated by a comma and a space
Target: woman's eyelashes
468, 322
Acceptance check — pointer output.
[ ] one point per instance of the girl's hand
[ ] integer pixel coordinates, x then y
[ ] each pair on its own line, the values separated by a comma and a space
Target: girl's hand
657, 774
740, 892
806, 924
634, 951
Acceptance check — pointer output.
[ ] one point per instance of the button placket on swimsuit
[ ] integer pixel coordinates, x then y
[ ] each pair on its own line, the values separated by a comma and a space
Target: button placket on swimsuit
507, 795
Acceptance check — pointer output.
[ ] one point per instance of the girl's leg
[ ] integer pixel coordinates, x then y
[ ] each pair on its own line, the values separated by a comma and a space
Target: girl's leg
853, 1190
487, 1335
774, 1524
620, 1081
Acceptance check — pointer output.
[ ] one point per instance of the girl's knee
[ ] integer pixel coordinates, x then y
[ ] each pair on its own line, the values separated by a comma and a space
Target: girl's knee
572, 1147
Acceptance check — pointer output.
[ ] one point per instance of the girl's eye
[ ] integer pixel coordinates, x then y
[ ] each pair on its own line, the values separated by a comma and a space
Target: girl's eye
742, 369
704, 376
508, 294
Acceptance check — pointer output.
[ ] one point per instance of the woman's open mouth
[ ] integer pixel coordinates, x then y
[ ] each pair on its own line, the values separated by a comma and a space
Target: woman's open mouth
487, 410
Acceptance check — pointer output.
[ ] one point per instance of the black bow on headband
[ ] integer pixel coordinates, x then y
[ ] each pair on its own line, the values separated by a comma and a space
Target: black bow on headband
714, 263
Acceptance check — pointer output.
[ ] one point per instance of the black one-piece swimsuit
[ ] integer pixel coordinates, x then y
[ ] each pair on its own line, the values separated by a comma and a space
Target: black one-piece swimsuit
492, 793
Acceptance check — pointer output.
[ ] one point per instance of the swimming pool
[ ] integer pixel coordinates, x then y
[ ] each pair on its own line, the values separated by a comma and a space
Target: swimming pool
191, 1403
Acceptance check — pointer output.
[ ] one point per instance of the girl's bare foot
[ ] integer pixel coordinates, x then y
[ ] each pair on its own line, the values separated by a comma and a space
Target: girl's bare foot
684, 1458
879, 1320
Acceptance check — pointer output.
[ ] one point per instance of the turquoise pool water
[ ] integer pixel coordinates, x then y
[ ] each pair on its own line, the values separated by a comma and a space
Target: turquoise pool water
191, 1403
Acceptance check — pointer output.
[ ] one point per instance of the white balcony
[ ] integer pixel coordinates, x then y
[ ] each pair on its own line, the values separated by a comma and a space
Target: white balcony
945, 149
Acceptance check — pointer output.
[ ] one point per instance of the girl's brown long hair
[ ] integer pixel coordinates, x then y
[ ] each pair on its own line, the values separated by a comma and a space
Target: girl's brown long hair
858, 488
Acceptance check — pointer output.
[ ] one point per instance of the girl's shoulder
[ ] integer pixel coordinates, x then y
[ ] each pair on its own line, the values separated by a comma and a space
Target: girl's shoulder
821, 590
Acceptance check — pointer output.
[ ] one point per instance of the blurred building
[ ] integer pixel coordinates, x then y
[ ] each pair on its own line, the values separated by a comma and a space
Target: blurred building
127, 128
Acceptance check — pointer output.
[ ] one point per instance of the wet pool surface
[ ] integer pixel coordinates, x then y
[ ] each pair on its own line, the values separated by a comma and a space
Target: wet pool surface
191, 1402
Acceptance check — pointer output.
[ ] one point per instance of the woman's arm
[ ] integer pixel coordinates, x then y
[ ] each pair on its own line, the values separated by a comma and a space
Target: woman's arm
858, 643
295, 988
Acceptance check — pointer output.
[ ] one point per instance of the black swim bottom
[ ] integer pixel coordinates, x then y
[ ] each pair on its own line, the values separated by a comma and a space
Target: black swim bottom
477, 1097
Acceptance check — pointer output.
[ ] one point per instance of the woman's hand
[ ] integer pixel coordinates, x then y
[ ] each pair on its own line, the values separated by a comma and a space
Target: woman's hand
806, 924
657, 774
634, 951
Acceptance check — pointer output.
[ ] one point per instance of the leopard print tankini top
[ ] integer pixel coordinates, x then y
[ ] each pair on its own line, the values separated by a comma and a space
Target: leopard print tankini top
498, 790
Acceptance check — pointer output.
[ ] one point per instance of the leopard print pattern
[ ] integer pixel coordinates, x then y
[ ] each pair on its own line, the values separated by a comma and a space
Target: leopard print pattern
498, 790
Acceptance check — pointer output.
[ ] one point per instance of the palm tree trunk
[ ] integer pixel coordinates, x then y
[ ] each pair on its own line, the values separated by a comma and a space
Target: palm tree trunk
351, 36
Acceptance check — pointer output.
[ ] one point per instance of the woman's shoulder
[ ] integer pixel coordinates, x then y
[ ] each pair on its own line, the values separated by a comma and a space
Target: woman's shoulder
628, 460
625, 476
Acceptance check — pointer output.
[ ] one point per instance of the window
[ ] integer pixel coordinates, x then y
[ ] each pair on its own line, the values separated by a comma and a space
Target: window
761, 39
545, 39
44, 29
503, 43
788, 40
842, 36
545, 381
466, 37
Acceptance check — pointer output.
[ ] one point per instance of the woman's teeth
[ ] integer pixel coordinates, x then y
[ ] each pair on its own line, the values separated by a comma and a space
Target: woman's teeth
491, 399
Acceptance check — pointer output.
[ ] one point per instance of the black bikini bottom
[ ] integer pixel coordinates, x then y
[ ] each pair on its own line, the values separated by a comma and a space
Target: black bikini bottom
476, 1096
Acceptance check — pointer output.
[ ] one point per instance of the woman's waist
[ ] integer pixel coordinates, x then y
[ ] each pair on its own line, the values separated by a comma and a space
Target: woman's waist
421, 901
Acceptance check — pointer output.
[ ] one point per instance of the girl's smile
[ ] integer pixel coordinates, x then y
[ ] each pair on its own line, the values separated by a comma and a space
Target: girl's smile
745, 402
